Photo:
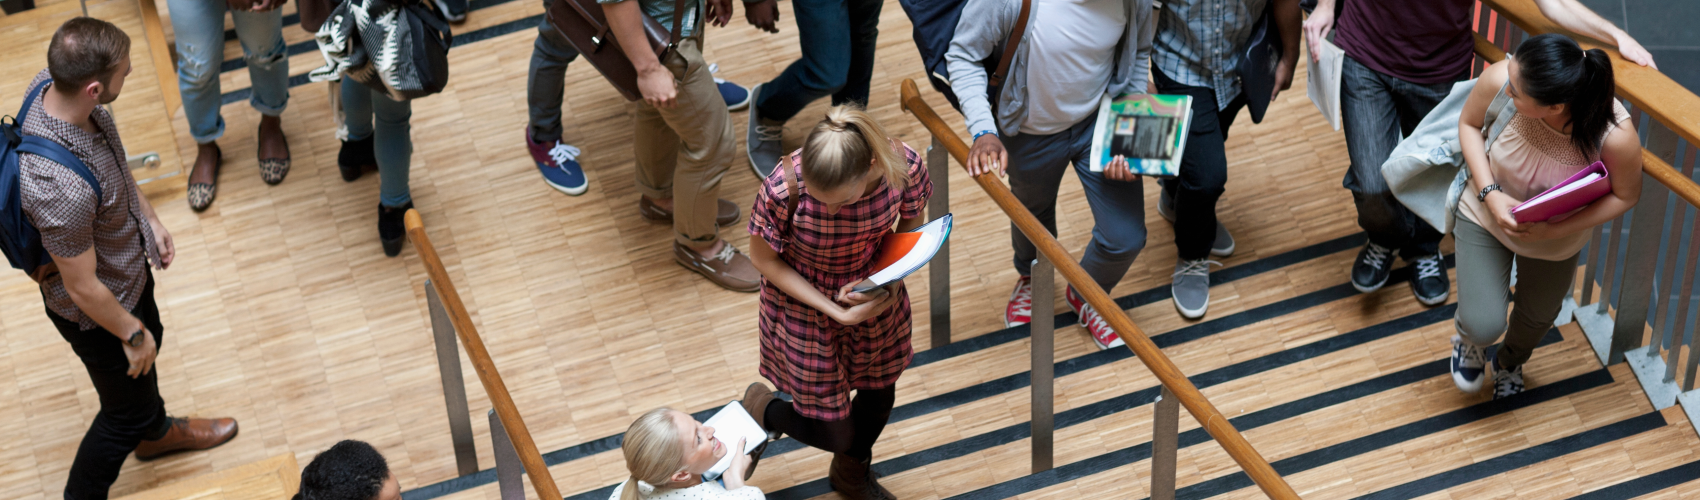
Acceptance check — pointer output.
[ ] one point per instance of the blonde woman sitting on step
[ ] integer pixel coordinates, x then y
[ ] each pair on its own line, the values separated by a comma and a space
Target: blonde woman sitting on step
667, 451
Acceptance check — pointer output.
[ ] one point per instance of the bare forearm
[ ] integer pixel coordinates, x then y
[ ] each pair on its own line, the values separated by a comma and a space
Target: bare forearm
780, 274
1289, 20
626, 21
906, 225
97, 302
1575, 17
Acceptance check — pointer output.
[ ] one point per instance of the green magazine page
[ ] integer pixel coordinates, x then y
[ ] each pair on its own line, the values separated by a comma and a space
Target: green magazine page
1149, 130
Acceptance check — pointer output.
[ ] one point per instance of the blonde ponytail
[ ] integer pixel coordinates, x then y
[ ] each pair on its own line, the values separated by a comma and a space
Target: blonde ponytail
845, 145
653, 452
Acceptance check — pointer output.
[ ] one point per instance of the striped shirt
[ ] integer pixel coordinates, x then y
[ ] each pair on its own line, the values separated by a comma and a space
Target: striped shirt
1198, 42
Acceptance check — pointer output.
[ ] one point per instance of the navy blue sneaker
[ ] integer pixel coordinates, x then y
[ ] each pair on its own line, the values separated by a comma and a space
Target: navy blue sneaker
1470, 365
737, 97
559, 164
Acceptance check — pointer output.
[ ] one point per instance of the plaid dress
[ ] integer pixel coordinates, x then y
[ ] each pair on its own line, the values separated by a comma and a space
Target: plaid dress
803, 351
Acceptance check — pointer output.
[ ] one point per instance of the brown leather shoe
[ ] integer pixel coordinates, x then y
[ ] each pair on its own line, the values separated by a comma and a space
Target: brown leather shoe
726, 215
853, 479
189, 434
756, 398
729, 268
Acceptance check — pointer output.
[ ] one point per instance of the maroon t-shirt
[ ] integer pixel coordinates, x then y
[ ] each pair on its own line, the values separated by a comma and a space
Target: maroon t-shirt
1420, 41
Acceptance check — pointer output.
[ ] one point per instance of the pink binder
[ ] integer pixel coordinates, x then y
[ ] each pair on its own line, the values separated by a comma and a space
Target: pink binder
1574, 194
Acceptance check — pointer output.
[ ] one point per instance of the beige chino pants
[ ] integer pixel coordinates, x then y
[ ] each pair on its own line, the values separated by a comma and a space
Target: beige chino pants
683, 152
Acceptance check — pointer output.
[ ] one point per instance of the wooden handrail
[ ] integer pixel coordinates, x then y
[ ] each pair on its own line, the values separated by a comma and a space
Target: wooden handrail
1651, 91
1171, 376
541, 481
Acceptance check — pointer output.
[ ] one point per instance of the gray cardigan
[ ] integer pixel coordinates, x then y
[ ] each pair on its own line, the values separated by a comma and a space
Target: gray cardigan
985, 26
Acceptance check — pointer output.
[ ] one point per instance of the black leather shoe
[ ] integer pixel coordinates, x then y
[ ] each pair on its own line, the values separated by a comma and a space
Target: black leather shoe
391, 230
1371, 268
355, 157
1429, 282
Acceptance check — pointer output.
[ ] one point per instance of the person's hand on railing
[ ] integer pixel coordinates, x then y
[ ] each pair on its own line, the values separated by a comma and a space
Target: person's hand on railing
987, 156
1118, 170
1633, 51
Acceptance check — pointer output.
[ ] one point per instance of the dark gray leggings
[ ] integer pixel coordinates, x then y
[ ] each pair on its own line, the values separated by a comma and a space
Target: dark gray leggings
1484, 281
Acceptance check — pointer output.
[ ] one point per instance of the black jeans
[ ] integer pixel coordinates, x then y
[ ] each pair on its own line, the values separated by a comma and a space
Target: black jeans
131, 410
1377, 110
1204, 167
838, 39
854, 436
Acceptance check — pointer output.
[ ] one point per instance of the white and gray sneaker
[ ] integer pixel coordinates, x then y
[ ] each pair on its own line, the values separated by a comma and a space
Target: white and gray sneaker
1191, 288
1470, 365
1222, 246
1507, 383
763, 140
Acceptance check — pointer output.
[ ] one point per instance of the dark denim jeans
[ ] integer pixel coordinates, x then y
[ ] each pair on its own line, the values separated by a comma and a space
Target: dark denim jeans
1377, 110
547, 81
131, 409
838, 57
1204, 166
1036, 167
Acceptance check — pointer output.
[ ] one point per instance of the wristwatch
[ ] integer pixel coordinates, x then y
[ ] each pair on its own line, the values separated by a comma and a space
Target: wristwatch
135, 339
1482, 196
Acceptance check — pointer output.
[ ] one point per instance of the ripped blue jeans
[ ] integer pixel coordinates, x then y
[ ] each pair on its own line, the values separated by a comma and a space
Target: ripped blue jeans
199, 27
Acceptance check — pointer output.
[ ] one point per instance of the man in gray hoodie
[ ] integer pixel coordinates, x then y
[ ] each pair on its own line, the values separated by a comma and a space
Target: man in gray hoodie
1072, 55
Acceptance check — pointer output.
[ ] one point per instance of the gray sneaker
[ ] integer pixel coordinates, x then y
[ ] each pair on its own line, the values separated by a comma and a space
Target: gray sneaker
762, 141
1222, 246
1191, 289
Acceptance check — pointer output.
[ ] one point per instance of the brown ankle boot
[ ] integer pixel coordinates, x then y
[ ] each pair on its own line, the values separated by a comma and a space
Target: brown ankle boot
756, 398
188, 434
853, 479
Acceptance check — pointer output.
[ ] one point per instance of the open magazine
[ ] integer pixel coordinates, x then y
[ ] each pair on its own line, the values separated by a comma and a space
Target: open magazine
730, 424
1148, 129
901, 254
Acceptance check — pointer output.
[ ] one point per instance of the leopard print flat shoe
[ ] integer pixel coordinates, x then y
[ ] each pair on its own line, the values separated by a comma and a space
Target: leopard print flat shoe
201, 194
273, 170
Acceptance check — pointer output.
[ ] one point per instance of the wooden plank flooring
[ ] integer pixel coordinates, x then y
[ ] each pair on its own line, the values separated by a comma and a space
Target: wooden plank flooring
282, 312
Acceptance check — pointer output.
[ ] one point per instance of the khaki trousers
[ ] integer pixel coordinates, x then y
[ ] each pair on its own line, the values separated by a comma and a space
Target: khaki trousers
683, 152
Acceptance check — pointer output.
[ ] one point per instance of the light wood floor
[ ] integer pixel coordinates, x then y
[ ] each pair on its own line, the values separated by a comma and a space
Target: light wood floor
282, 311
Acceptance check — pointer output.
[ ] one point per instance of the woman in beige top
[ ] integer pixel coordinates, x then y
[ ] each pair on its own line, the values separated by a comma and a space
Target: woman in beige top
1567, 118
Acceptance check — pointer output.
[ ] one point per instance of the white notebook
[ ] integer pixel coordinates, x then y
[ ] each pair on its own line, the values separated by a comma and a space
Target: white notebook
1324, 87
730, 424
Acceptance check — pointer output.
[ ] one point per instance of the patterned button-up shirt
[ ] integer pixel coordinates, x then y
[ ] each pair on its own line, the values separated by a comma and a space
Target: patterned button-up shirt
1198, 42
63, 206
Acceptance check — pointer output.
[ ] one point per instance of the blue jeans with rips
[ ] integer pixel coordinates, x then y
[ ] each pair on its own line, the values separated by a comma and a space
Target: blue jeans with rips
199, 27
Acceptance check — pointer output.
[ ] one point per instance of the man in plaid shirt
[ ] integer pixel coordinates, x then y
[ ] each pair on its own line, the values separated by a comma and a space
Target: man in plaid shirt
98, 289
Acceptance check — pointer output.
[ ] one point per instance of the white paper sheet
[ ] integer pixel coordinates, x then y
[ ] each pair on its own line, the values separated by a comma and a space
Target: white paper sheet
1324, 87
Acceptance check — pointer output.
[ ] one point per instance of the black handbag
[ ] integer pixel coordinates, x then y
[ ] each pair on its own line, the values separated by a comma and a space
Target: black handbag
412, 38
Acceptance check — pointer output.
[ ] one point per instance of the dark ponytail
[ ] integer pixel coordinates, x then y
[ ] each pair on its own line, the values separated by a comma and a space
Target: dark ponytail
1555, 70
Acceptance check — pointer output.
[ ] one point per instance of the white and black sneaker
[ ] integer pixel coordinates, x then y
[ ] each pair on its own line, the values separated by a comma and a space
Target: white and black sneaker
1507, 383
1370, 271
1429, 282
1470, 365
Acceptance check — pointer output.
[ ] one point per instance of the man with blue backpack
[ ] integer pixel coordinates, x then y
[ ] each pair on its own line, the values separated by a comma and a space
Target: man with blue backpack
1030, 75
72, 217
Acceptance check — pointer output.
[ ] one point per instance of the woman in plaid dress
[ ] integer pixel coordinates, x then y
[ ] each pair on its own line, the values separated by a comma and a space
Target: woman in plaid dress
819, 341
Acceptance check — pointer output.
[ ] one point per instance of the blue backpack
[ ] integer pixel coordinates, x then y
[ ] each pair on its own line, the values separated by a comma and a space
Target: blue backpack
19, 239
935, 25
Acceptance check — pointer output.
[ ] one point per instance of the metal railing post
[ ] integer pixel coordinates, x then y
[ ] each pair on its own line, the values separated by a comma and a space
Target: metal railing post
1642, 257
938, 270
454, 388
1165, 445
509, 471
1043, 328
